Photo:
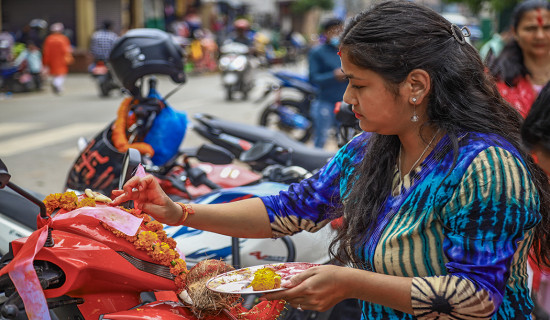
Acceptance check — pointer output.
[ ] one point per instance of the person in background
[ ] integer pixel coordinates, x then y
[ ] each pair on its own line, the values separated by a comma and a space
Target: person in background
32, 56
440, 204
535, 134
102, 41
57, 56
326, 74
241, 30
523, 66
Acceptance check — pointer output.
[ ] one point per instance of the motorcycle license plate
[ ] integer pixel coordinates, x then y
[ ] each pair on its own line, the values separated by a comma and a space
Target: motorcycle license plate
230, 78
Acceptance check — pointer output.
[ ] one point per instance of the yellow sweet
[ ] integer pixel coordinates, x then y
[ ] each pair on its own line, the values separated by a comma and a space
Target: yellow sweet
265, 279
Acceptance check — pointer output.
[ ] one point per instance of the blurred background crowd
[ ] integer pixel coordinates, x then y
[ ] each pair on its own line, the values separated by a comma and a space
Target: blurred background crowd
276, 31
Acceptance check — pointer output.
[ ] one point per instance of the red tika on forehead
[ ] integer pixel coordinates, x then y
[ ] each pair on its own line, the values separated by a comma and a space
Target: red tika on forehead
539, 17
340, 53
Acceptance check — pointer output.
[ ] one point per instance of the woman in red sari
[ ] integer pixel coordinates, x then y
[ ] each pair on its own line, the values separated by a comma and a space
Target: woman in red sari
523, 67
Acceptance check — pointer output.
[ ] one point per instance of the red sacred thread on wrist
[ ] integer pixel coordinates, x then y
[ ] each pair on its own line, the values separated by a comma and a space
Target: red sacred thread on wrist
187, 210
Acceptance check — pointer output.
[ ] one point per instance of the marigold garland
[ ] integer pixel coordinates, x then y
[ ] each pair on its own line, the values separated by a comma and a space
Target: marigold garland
120, 141
67, 201
152, 238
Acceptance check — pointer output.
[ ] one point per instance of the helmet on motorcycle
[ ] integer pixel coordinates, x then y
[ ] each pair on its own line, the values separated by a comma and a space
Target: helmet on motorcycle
142, 52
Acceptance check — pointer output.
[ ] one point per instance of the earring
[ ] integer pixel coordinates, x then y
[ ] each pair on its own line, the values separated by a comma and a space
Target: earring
414, 117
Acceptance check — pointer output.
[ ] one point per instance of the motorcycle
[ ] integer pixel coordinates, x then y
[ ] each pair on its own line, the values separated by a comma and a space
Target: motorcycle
236, 69
104, 79
83, 263
289, 114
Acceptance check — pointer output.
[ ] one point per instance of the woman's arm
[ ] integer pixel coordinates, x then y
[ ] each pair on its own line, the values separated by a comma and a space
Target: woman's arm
246, 218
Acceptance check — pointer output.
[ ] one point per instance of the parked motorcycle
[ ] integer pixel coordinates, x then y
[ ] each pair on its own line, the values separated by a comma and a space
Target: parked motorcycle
104, 79
289, 114
83, 263
237, 69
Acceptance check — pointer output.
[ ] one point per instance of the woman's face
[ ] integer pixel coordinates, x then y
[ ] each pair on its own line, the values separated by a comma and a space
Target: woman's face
377, 108
533, 33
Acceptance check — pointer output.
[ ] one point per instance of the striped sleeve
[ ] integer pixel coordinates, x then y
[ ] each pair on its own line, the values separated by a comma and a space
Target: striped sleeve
310, 204
489, 214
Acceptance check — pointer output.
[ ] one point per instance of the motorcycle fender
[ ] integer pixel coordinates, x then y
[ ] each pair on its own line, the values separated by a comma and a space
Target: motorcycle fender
230, 78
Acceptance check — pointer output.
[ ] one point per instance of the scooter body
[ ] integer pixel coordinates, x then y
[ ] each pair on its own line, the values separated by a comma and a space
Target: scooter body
236, 70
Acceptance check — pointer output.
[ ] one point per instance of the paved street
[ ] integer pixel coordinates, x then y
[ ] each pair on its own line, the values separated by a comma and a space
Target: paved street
39, 131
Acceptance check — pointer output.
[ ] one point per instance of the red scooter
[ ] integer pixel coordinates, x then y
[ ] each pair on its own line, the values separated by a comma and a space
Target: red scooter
93, 262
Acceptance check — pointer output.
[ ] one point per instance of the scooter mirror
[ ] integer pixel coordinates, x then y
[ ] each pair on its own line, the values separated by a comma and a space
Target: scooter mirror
258, 151
4, 175
214, 154
131, 160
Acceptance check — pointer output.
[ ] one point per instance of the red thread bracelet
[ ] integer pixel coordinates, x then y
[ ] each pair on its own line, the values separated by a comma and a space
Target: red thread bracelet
186, 211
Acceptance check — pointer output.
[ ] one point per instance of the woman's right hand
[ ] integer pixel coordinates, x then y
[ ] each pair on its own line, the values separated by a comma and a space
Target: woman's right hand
149, 197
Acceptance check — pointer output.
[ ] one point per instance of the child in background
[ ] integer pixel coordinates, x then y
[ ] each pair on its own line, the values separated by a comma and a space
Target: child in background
32, 56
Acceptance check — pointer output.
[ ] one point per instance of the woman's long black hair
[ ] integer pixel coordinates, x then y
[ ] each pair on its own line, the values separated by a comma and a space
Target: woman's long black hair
509, 65
392, 39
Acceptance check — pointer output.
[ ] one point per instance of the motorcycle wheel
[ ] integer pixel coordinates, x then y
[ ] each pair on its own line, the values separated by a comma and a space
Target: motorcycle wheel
104, 87
228, 93
271, 119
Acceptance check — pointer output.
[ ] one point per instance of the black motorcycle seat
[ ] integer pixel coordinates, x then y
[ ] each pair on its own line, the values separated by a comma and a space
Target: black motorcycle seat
304, 156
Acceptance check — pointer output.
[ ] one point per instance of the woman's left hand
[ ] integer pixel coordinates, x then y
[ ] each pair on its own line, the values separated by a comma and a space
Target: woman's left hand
318, 288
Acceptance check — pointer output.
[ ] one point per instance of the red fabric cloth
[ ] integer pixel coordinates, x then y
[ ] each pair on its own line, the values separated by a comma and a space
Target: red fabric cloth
521, 96
55, 49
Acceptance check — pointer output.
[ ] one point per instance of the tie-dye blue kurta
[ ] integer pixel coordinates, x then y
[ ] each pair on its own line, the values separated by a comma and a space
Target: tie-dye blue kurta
462, 236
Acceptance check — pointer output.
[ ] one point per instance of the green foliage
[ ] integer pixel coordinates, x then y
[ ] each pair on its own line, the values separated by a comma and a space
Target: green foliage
477, 5
302, 6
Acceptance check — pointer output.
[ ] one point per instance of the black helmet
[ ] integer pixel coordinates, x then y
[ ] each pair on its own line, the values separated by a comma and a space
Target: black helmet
140, 52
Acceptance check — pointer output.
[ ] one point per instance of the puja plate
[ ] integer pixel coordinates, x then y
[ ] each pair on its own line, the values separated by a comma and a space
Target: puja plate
238, 281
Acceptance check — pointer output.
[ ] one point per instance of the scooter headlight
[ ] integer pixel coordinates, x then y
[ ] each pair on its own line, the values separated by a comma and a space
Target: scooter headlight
239, 63
224, 63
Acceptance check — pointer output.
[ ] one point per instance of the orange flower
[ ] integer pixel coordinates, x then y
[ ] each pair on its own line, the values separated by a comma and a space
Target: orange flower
67, 201
86, 202
146, 240
178, 266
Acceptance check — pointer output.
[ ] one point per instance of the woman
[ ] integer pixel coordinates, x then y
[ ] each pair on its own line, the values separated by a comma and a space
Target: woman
440, 205
523, 66
535, 133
